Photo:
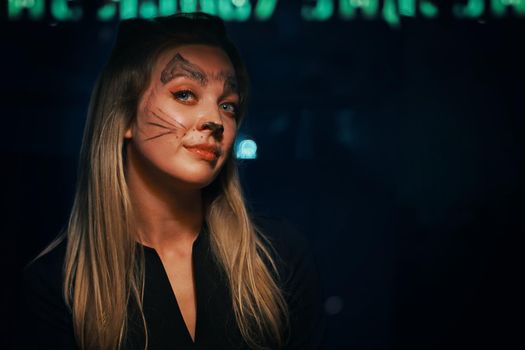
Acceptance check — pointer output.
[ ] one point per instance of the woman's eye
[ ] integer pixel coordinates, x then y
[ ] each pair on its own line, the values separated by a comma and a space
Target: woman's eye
229, 107
184, 95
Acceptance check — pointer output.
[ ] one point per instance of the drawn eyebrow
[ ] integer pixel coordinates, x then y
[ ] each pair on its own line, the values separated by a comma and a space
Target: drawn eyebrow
179, 66
230, 83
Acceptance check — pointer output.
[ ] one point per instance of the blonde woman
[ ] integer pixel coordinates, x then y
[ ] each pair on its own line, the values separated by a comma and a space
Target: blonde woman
160, 251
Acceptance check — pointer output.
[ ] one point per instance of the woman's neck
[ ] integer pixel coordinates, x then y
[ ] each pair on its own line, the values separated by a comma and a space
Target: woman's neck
166, 216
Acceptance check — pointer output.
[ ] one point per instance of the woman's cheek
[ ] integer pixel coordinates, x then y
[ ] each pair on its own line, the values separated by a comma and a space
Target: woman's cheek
162, 117
180, 115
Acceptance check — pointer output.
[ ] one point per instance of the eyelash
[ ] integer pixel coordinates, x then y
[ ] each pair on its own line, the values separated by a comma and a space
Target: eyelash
233, 105
178, 96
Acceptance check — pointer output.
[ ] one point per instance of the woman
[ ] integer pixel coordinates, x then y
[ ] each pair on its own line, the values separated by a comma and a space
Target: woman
159, 251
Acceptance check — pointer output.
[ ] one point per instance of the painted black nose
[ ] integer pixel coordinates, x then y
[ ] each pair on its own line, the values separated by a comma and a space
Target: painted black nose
216, 129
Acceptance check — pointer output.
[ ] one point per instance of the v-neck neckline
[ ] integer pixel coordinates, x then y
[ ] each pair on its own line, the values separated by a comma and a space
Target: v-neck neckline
173, 297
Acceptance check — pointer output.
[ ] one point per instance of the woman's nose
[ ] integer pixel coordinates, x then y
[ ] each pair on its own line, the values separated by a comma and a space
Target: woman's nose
216, 128
210, 119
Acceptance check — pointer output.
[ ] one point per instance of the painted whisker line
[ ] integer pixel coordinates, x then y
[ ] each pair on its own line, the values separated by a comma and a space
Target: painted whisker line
159, 125
176, 121
164, 120
154, 137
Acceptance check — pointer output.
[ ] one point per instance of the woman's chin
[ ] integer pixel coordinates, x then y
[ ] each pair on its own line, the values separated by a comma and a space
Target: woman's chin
193, 179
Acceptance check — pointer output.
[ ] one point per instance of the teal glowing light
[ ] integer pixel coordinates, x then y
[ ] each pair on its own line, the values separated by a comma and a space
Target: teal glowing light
390, 11
228, 10
473, 9
239, 3
264, 9
128, 9
348, 8
408, 8
62, 11
107, 12
148, 9
167, 7
188, 5
428, 9
35, 8
231, 12
246, 149
322, 10
499, 7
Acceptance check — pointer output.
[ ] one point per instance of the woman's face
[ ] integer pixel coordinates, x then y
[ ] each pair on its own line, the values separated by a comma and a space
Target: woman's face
186, 119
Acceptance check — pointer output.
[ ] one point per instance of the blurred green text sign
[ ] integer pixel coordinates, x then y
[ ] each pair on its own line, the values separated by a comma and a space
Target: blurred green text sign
390, 11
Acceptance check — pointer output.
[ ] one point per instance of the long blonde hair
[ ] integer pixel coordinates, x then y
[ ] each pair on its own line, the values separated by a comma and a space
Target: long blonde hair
104, 268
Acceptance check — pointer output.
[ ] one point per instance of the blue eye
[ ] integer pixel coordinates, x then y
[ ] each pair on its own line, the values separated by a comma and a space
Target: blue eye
229, 107
183, 95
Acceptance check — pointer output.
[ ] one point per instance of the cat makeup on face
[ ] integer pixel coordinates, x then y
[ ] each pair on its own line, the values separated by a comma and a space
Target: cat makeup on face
186, 119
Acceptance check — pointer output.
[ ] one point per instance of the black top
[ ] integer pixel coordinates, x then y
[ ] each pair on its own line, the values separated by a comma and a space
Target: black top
47, 321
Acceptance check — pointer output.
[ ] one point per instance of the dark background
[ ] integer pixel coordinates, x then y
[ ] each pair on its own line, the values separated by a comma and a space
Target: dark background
396, 151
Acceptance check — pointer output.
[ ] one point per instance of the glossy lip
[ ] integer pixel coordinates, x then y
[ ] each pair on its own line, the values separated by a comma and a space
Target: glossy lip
207, 151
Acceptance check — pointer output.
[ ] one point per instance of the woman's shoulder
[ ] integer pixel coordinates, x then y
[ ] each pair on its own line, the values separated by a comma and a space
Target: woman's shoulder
292, 251
282, 234
300, 281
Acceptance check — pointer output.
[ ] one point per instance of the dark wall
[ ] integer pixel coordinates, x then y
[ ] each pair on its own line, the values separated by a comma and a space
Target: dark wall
396, 151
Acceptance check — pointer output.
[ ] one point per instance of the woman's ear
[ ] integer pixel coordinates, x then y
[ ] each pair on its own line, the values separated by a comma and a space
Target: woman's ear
128, 134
